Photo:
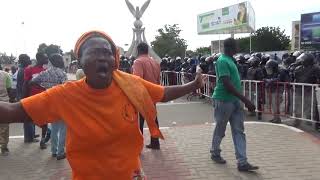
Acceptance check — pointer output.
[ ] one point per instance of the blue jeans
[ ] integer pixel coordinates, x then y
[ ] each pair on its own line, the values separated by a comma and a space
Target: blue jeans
232, 112
58, 136
29, 131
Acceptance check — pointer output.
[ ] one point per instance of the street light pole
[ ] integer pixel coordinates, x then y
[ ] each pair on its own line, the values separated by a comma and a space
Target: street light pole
250, 42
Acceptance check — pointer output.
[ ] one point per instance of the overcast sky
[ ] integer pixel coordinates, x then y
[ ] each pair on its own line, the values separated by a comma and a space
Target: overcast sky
61, 22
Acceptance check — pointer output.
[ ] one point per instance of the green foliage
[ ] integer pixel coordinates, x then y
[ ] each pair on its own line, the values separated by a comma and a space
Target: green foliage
265, 39
169, 42
205, 51
191, 53
5, 59
49, 50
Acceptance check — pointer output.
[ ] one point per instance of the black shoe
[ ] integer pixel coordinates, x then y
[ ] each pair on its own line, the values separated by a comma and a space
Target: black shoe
31, 141
247, 167
43, 145
48, 135
152, 146
218, 159
60, 157
36, 135
53, 155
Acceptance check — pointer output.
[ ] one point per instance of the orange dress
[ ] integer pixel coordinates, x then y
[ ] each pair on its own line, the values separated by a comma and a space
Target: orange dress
103, 138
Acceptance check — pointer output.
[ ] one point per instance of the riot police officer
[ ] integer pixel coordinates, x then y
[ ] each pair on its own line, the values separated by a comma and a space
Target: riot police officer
204, 65
242, 66
255, 73
276, 76
264, 59
185, 65
164, 64
177, 65
307, 72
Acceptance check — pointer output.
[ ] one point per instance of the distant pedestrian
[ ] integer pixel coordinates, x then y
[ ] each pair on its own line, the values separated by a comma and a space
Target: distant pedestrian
148, 69
14, 74
227, 96
31, 90
28, 127
47, 79
5, 87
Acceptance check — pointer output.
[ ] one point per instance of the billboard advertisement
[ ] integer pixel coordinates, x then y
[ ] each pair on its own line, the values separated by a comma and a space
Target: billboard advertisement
239, 18
310, 31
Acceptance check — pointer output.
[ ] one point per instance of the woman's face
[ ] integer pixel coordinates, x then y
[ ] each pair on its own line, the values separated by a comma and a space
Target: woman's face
98, 62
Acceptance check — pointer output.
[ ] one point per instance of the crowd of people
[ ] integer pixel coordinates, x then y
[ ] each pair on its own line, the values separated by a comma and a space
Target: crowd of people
102, 107
27, 81
100, 111
273, 72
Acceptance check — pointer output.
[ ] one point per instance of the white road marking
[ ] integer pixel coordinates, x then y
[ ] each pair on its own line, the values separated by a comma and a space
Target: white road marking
247, 122
161, 128
273, 124
16, 137
183, 103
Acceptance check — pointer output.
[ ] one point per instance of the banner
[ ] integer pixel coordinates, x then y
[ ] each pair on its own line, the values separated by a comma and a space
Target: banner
310, 31
239, 18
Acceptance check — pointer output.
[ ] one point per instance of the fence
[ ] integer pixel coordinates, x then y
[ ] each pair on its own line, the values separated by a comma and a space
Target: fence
292, 100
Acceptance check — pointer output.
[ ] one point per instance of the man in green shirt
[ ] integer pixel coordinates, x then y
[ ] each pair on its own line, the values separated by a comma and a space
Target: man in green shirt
227, 96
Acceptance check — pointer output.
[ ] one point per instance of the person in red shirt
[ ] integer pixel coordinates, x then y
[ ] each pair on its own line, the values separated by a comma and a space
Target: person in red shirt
30, 90
148, 69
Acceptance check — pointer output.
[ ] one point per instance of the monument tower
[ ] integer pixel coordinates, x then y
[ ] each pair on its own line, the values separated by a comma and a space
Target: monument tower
138, 31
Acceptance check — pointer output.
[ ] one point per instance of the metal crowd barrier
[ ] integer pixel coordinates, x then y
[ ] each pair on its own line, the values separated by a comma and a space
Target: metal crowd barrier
292, 100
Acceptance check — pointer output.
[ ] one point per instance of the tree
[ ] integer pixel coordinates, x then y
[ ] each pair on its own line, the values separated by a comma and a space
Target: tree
5, 59
265, 39
169, 42
49, 50
190, 53
204, 50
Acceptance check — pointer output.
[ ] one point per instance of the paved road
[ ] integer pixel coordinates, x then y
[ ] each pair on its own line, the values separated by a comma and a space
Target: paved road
282, 154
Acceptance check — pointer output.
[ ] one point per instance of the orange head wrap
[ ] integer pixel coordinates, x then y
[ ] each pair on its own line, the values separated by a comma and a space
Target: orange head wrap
133, 89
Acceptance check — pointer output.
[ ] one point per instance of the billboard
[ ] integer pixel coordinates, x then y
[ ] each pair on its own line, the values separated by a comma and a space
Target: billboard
310, 31
239, 18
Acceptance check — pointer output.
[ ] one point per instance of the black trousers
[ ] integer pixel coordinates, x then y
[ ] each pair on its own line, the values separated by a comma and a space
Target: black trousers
141, 121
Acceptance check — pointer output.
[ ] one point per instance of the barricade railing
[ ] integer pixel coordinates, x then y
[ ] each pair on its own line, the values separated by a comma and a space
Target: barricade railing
292, 100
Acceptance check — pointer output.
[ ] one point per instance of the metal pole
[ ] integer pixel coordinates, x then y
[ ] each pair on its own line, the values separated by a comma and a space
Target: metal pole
250, 42
302, 108
312, 98
219, 44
